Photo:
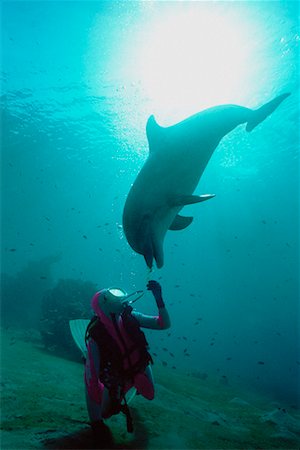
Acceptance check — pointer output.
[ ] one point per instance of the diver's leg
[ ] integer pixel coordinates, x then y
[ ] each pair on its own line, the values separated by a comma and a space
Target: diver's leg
144, 383
106, 404
94, 409
101, 432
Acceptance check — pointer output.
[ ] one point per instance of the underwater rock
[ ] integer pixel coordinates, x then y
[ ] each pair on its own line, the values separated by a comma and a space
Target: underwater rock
69, 299
283, 420
285, 435
239, 401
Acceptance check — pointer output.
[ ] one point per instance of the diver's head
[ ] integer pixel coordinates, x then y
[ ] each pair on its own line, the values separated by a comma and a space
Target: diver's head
113, 301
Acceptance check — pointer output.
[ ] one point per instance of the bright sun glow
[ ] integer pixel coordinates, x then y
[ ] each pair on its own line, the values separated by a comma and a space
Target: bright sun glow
192, 60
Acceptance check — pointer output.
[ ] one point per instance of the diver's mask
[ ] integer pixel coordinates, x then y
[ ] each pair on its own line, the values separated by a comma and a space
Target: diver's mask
115, 300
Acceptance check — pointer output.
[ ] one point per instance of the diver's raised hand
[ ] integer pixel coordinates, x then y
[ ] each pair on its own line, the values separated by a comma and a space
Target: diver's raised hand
155, 287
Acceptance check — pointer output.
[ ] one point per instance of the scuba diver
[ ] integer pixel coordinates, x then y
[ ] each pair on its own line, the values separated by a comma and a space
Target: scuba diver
117, 354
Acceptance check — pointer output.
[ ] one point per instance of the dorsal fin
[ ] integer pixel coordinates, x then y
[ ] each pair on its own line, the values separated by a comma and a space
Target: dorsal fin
155, 134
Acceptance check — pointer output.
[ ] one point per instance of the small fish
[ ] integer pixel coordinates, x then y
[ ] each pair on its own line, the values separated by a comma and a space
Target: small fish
165, 349
154, 354
164, 363
43, 278
84, 236
12, 249
261, 363
171, 354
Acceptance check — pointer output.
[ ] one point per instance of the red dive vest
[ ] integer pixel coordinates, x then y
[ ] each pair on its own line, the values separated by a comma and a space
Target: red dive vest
122, 346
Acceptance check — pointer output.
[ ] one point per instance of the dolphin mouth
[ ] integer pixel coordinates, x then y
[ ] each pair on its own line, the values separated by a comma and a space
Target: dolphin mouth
148, 255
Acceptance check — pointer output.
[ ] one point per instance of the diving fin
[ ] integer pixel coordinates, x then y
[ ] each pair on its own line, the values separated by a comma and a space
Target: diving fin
78, 329
260, 114
180, 222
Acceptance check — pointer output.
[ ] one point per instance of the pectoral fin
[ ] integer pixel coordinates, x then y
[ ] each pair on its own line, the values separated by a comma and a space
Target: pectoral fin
180, 222
181, 200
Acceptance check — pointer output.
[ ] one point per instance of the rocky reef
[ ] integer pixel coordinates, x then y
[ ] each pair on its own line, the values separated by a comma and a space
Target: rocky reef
69, 299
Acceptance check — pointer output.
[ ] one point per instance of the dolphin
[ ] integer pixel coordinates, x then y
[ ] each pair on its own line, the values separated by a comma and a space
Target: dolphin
178, 155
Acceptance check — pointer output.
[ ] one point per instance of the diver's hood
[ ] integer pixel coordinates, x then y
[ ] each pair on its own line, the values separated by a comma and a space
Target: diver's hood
113, 300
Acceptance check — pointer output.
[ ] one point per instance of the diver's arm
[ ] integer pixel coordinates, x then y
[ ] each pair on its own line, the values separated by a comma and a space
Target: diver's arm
160, 322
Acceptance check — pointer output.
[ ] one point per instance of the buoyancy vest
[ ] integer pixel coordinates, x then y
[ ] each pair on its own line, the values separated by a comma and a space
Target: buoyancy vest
123, 355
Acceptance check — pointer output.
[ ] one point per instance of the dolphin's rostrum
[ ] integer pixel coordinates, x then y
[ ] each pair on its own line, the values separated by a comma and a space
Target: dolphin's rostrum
177, 158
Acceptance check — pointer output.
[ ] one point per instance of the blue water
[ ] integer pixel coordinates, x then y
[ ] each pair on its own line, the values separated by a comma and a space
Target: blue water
74, 108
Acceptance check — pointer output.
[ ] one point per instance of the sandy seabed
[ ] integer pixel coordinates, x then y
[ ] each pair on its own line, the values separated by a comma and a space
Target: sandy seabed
43, 407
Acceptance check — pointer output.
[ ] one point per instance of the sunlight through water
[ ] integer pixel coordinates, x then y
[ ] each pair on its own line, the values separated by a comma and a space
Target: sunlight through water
193, 59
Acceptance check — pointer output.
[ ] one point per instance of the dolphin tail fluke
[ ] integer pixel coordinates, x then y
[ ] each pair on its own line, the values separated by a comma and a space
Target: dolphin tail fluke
260, 114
